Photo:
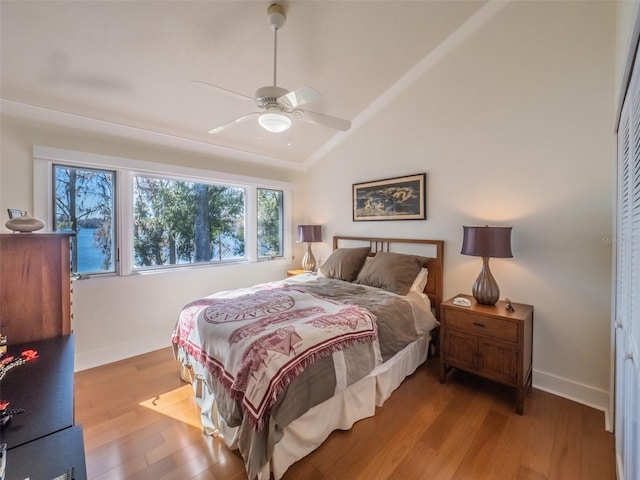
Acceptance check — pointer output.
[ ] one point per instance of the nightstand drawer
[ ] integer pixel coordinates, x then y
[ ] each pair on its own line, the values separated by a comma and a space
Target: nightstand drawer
493, 327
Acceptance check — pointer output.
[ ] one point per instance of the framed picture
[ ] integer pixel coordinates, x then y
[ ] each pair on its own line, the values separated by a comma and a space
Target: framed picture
15, 212
400, 198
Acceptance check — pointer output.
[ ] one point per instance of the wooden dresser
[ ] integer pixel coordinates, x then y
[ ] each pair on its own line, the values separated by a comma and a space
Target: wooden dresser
35, 286
490, 341
35, 313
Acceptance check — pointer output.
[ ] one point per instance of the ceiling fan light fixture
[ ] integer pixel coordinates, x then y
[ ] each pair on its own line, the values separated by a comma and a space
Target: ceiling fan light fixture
274, 122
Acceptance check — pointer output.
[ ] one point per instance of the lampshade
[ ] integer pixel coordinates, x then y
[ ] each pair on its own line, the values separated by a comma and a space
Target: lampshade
486, 241
274, 122
309, 233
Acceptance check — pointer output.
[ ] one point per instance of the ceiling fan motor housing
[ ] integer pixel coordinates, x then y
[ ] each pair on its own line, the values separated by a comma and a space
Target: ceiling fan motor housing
268, 96
276, 16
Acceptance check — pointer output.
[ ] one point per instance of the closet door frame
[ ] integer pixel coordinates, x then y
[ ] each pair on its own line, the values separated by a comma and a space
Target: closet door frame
625, 376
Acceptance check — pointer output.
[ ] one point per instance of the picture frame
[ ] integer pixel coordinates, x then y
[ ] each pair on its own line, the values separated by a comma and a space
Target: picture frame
15, 212
399, 198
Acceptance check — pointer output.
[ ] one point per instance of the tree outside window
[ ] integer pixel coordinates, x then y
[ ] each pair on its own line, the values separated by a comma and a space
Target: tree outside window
270, 223
85, 205
174, 222
179, 222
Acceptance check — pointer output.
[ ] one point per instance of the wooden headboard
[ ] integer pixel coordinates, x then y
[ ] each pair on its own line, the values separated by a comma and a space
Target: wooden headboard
434, 288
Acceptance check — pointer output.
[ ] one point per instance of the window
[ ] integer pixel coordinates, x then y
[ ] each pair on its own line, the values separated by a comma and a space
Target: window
178, 222
270, 224
85, 204
132, 216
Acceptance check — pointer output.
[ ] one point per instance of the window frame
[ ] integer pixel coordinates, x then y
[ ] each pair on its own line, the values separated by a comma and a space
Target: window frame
282, 222
244, 189
52, 218
125, 168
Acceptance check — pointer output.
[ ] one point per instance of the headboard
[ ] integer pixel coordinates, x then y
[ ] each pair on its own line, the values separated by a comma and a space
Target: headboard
415, 246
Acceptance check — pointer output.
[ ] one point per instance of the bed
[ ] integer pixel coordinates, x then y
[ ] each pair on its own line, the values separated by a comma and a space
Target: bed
277, 367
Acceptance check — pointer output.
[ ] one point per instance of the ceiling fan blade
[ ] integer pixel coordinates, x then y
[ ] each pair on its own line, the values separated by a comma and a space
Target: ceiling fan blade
299, 96
225, 90
232, 123
323, 120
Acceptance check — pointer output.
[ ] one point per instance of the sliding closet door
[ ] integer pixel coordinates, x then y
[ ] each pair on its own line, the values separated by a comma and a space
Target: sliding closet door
627, 316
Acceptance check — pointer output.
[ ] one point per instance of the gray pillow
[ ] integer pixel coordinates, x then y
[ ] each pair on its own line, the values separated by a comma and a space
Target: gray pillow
345, 263
394, 272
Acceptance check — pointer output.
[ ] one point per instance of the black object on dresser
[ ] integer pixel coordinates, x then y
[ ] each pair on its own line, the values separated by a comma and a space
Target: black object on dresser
43, 442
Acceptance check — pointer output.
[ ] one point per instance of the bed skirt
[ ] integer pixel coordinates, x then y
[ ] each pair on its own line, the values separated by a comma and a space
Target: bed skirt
340, 412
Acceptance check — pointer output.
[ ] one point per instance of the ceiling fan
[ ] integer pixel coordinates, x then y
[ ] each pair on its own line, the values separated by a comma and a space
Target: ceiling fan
278, 105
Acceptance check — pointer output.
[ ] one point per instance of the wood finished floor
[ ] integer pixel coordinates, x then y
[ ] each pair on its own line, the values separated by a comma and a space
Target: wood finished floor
140, 422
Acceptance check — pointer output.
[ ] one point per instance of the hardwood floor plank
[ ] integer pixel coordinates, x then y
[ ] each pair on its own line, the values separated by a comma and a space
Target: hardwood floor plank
122, 470
123, 443
542, 418
480, 453
158, 469
596, 464
127, 450
140, 422
187, 469
567, 443
175, 438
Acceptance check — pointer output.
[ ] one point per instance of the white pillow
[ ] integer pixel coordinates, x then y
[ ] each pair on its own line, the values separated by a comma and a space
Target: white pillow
420, 281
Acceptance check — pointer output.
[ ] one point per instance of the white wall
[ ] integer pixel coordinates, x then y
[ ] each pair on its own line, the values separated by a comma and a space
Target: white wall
626, 15
118, 317
513, 127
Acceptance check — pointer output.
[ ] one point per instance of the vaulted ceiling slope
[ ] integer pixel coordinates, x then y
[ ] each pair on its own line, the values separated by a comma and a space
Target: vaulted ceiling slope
130, 66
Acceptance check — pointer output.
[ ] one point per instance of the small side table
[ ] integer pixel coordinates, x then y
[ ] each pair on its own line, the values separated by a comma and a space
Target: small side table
489, 341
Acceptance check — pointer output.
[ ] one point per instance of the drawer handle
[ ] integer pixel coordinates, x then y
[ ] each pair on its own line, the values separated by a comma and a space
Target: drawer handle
478, 324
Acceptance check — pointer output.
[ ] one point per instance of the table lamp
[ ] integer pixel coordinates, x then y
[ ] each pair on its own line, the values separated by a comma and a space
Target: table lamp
486, 242
309, 234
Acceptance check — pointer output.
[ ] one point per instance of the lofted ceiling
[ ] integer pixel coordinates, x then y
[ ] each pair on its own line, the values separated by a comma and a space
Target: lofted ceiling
130, 66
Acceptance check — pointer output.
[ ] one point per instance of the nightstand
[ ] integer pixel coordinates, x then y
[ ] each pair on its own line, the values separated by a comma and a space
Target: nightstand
291, 273
489, 341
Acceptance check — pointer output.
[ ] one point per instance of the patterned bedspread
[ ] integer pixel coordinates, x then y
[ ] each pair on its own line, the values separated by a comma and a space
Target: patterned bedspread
268, 354
255, 341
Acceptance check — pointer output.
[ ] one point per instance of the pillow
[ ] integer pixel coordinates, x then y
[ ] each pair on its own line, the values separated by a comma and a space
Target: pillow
344, 263
420, 282
394, 272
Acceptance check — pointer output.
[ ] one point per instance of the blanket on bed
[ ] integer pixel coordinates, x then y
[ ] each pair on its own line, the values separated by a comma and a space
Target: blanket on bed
399, 320
255, 341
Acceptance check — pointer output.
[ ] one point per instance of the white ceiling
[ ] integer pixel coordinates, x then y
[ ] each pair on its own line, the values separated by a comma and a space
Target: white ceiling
132, 64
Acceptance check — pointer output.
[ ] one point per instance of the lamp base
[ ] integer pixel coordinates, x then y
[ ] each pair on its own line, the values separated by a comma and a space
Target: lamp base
309, 261
485, 289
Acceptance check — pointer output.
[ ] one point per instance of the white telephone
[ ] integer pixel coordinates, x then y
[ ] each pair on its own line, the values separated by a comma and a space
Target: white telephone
462, 302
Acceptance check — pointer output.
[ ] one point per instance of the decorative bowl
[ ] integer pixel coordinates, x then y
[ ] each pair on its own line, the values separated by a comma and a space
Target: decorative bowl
24, 224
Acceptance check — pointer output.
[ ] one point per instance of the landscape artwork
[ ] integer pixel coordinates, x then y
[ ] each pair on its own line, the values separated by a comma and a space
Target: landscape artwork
400, 198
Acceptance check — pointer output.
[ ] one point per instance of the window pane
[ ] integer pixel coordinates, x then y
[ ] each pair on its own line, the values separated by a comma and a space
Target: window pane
270, 225
85, 204
178, 222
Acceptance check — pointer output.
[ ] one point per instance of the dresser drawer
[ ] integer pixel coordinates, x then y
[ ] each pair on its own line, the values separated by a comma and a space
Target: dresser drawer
493, 327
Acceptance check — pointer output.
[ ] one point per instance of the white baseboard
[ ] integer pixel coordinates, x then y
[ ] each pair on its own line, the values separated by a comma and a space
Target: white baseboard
121, 351
578, 392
